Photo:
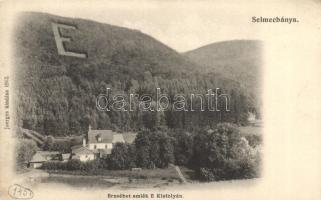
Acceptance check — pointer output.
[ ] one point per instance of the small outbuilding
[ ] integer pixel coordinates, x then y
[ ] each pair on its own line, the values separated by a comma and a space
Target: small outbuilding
83, 154
37, 160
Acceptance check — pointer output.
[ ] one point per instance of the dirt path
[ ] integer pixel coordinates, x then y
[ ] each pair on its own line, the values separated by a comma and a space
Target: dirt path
181, 176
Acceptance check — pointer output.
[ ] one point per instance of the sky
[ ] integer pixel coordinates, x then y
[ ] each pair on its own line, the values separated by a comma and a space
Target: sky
181, 25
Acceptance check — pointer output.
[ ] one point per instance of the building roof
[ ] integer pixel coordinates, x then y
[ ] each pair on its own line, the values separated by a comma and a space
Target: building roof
42, 156
129, 137
38, 158
106, 136
82, 150
118, 138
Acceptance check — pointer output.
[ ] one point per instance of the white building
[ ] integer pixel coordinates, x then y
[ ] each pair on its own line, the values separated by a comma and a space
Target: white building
43, 156
99, 143
99, 140
83, 154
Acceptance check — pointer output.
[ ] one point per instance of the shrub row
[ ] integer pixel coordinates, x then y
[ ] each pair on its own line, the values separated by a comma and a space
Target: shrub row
72, 165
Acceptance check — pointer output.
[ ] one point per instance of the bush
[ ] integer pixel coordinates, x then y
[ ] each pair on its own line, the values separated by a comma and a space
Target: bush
25, 150
63, 146
54, 165
183, 148
254, 140
72, 165
222, 154
123, 156
206, 174
154, 149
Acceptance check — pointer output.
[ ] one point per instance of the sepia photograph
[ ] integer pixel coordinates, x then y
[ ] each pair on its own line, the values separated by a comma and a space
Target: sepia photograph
100, 105
147, 100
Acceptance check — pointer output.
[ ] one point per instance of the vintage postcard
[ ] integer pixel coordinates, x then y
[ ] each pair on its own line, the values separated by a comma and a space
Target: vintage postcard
160, 100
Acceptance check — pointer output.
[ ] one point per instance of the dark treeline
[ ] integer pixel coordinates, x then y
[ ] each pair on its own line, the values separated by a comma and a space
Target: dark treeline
65, 104
214, 154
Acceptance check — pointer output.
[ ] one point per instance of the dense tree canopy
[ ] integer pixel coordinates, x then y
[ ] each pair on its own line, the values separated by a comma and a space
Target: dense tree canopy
56, 95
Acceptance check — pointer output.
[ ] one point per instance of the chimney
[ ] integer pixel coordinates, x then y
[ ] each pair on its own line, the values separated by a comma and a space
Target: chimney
84, 142
89, 128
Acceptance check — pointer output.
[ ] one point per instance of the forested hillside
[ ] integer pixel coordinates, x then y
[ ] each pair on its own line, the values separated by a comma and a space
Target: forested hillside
239, 60
56, 95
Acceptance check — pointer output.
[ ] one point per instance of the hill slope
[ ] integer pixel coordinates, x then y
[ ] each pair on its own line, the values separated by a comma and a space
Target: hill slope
239, 60
56, 94
103, 43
